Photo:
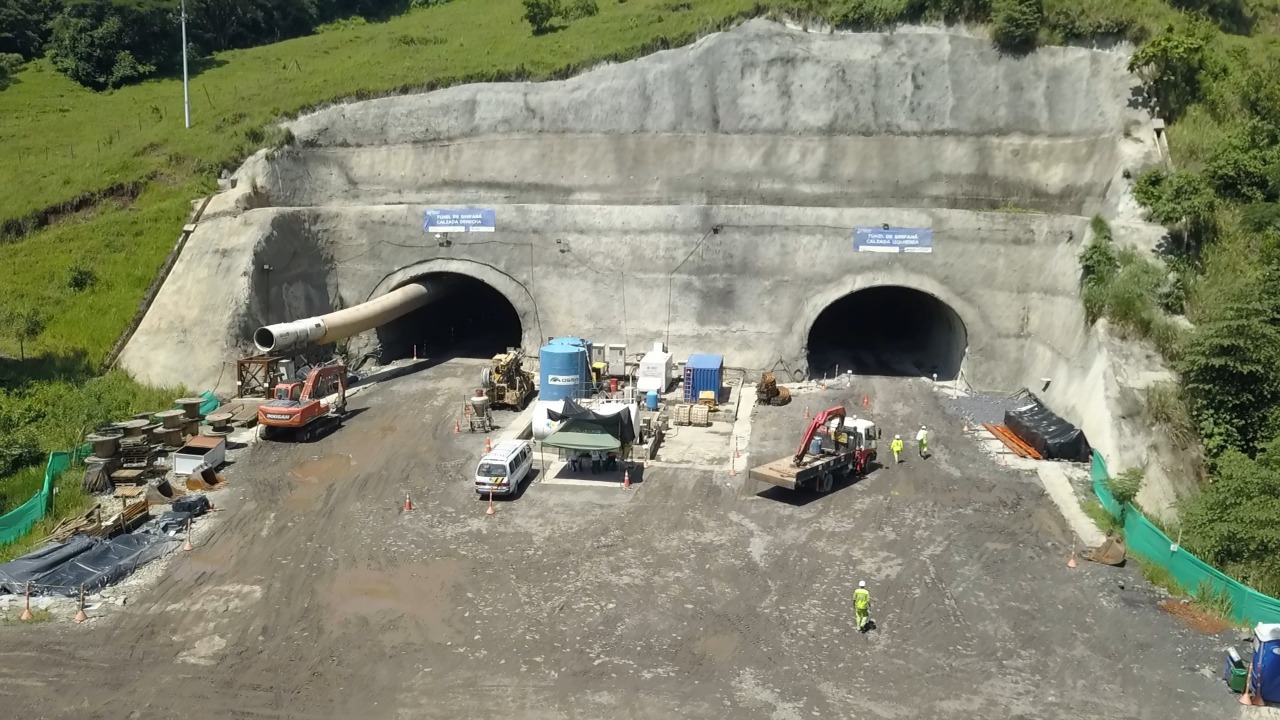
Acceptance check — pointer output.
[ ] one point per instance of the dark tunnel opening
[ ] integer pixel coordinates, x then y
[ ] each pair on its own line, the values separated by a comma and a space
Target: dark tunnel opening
467, 319
888, 330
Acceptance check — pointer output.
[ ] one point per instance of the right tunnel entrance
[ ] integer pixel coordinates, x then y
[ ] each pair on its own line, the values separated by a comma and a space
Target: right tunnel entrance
888, 330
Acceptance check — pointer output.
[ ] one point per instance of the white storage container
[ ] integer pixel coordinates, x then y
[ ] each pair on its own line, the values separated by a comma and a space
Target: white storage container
655, 372
199, 453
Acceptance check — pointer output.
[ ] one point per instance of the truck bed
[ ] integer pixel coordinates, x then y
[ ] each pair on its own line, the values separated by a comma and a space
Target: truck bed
784, 473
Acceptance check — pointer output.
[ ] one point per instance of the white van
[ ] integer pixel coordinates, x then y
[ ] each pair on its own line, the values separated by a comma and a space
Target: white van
503, 468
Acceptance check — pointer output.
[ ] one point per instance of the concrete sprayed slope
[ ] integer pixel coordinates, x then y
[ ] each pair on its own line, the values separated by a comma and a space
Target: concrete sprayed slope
751, 292
757, 115
764, 78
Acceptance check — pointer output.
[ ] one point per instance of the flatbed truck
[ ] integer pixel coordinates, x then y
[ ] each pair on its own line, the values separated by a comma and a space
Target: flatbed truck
844, 448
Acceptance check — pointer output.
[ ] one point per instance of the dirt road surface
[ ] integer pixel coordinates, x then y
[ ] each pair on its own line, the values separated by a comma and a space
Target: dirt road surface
692, 595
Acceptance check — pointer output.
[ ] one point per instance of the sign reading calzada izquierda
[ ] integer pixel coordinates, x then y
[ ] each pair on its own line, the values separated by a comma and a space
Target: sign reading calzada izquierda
893, 240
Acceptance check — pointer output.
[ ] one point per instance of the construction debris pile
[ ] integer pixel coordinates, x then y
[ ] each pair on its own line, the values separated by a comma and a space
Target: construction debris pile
133, 459
88, 553
149, 461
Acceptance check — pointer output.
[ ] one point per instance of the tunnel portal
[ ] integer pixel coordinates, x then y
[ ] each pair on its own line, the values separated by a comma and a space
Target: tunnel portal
468, 318
888, 330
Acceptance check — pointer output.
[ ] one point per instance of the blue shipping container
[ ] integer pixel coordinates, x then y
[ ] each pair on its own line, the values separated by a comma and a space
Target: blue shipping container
702, 372
562, 372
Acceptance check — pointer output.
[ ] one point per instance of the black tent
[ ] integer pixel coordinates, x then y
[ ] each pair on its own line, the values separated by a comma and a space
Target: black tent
618, 425
1051, 436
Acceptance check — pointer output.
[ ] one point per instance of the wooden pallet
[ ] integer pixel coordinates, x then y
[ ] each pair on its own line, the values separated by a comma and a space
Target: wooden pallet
1011, 441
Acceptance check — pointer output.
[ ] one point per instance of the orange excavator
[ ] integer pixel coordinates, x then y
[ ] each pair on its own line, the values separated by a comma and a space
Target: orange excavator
299, 411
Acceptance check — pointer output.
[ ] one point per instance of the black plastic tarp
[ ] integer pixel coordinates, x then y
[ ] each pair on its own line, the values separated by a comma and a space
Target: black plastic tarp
618, 425
15, 574
193, 505
1051, 436
94, 567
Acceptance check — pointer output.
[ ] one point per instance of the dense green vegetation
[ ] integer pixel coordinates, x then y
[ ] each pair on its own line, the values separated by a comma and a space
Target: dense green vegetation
109, 43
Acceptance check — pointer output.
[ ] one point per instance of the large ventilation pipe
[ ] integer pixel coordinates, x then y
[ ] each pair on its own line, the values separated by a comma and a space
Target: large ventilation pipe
350, 321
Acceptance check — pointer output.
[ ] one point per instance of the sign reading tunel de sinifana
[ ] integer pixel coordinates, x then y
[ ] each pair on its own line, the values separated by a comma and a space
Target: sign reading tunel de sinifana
460, 220
893, 240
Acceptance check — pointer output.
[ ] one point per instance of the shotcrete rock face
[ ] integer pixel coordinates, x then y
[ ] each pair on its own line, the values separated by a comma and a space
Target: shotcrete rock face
607, 187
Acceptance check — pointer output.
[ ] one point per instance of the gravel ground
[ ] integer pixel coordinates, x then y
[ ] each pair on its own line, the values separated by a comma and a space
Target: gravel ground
314, 595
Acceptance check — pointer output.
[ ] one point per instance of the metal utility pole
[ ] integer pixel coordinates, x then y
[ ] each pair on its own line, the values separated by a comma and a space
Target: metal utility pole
186, 84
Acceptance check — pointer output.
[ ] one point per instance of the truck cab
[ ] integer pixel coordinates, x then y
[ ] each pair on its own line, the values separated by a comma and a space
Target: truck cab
862, 435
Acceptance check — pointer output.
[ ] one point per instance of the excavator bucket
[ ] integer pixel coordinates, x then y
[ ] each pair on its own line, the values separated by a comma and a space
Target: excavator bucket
206, 480
1111, 552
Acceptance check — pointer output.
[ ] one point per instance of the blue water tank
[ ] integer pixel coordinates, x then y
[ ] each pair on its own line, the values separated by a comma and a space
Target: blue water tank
815, 446
562, 372
651, 400
577, 342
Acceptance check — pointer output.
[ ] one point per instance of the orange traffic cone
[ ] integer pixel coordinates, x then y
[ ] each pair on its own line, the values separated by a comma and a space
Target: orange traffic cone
415, 352
488, 446
186, 546
806, 412
80, 614
732, 471
626, 479
408, 504
1071, 562
866, 402
489, 510
457, 427
26, 610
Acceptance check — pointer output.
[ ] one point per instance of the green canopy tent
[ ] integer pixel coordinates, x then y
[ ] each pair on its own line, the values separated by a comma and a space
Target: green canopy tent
582, 436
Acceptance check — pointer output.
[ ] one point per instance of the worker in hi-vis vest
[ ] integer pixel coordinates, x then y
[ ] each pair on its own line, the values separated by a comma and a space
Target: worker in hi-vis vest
896, 447
922, 437
862, 605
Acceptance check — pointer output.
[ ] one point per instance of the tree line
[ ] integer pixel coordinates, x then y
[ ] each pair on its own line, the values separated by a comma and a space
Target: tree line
104, 44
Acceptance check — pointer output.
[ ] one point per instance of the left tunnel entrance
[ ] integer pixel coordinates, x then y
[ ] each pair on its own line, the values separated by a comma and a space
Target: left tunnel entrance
469, 319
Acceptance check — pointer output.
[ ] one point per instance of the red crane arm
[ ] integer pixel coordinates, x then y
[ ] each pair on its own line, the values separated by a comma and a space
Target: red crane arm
818, 422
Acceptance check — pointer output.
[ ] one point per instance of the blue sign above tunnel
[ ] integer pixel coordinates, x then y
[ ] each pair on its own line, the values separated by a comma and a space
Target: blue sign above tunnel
893, 240
462, 220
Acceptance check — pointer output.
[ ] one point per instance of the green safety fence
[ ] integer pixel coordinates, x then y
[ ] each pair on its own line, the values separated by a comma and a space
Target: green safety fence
16, 523
1191, 573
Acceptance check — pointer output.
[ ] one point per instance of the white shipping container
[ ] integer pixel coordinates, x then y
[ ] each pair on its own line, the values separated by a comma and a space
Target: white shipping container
200, 452
655, 372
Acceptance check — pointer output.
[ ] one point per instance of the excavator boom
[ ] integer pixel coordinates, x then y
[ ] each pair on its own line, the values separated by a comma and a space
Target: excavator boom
819, 421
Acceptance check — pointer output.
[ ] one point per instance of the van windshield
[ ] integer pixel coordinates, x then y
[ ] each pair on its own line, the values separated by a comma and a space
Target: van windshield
489, 469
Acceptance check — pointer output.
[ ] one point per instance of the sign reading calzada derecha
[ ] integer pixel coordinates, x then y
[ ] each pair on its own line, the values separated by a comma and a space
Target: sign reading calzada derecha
460, 220
893, 240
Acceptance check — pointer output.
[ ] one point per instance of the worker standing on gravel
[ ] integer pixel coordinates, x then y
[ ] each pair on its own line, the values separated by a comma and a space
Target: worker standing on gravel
896, 447
862, 605
922, 437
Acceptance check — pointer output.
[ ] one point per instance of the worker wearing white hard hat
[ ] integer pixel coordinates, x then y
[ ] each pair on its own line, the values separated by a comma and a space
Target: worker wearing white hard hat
896, 447
862, 605
922, 438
